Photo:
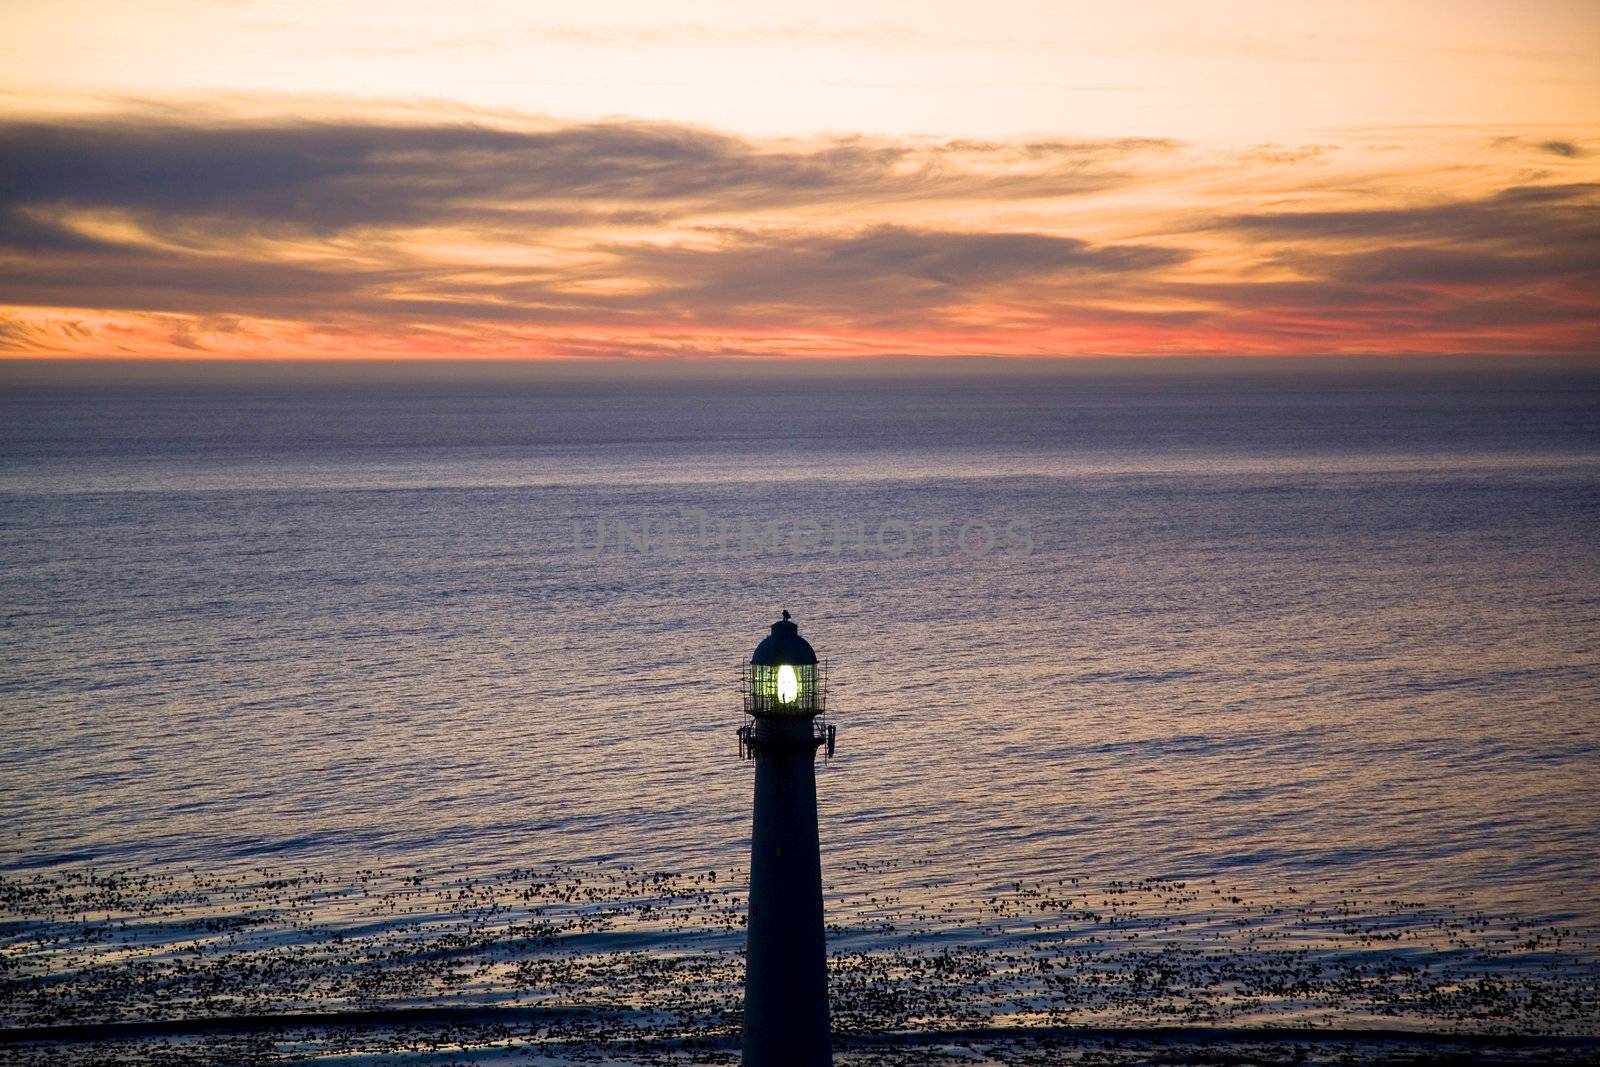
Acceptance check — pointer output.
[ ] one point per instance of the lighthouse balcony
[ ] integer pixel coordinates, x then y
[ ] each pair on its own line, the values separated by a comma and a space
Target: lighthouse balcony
823, 735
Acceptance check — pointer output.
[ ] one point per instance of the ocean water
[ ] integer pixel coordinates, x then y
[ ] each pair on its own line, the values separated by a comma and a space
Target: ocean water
1296, 632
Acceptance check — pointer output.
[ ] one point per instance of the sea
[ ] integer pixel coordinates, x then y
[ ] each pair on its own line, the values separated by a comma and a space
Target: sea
1219, 693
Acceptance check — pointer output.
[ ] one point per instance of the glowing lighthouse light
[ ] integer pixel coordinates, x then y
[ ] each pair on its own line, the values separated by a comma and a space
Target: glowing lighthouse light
788, 684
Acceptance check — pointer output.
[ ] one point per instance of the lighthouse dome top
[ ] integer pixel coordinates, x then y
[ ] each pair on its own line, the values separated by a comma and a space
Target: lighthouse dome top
784, 645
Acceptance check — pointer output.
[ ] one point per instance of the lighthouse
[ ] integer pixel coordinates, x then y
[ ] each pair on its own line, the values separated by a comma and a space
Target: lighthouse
786, 962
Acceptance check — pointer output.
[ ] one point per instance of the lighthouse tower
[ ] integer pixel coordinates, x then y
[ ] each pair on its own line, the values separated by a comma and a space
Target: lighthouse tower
786, 965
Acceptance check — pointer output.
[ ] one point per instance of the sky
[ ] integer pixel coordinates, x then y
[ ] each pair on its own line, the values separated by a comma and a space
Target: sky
262, 178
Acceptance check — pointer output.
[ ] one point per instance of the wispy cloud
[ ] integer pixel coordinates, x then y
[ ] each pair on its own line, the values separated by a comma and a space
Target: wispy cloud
177, 232
329, 176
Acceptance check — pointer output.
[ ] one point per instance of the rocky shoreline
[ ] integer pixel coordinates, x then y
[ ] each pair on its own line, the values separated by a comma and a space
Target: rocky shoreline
561, 964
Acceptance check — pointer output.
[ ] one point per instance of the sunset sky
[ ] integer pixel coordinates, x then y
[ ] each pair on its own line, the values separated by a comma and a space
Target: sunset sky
515, 180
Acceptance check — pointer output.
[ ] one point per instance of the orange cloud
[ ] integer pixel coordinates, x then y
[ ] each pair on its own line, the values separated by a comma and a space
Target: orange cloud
140, 234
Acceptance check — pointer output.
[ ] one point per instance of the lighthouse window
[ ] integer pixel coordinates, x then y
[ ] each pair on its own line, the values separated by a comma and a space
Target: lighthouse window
784, 689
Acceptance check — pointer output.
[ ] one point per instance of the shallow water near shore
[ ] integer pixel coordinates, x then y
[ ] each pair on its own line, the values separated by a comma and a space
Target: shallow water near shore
1295, 669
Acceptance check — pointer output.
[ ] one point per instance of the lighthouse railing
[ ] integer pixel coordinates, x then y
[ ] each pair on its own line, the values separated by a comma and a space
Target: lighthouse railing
823, 735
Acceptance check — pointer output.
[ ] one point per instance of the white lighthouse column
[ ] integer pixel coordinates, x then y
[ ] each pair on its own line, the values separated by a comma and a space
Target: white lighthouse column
786, 966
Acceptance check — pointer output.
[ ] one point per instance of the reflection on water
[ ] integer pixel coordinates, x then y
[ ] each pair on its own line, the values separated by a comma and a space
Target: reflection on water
1331, 637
